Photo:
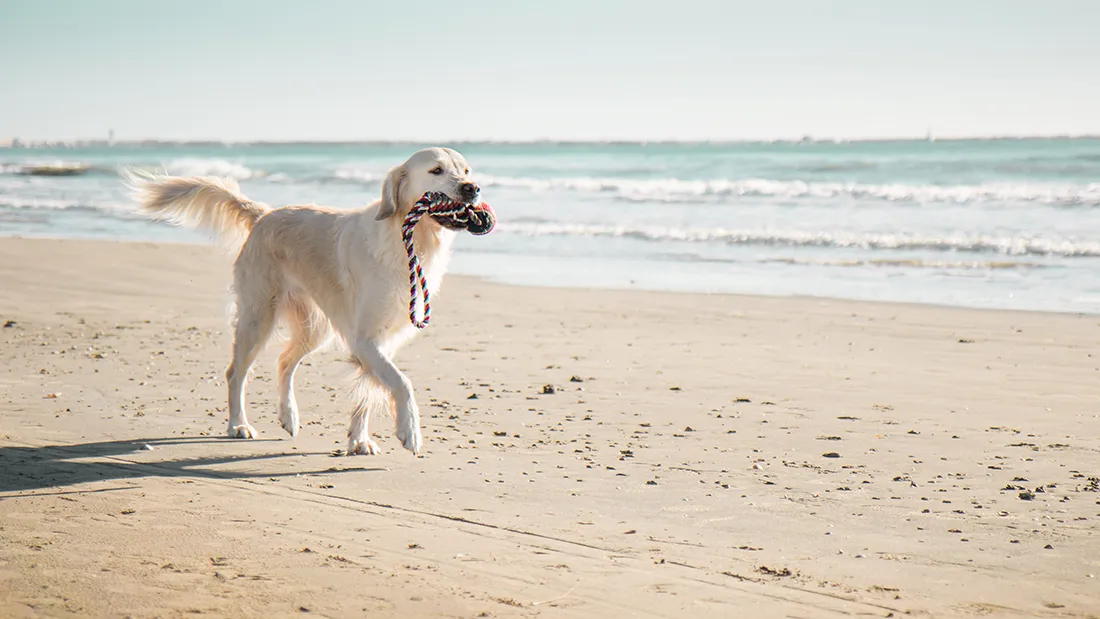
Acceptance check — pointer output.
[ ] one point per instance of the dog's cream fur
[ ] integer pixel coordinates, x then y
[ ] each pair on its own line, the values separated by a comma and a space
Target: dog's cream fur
324, 272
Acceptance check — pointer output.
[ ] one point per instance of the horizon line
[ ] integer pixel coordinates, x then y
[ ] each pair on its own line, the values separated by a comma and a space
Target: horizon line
15, 143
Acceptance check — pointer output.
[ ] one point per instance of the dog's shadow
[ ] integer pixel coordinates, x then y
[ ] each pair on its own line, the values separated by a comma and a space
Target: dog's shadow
60, 467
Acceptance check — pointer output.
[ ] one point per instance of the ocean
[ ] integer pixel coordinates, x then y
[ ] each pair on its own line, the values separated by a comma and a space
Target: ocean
998, 223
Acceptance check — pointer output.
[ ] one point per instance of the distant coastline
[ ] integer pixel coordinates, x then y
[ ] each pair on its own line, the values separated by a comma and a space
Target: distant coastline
20, 144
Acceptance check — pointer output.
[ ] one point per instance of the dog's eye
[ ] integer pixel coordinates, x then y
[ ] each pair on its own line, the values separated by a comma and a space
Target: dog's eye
467, 171
437, 170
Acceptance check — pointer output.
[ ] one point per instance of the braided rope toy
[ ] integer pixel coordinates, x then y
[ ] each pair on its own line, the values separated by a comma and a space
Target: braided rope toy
435, 203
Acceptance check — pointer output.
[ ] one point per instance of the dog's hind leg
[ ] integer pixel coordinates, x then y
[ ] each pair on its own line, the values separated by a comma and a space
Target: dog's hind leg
255, 321
369, 397
308, 330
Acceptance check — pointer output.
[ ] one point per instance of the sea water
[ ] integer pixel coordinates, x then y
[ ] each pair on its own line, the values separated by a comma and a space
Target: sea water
998, 223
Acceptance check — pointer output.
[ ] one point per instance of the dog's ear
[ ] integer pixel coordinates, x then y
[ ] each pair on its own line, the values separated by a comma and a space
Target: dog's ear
391, 192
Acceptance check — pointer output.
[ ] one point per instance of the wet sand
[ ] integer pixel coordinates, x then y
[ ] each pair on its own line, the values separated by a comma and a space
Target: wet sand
702, 456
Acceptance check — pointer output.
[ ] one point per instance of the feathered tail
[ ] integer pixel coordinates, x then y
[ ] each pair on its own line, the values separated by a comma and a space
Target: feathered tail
206, 202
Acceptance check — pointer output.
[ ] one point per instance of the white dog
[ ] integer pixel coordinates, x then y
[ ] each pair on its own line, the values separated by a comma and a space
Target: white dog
327, 272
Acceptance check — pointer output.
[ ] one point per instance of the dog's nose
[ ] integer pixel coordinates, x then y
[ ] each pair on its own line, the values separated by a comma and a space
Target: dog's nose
470, 190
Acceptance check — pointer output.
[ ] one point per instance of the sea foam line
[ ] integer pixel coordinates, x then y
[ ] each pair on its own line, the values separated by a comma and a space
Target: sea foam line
679, 190
976, 243
209, 166
727, 190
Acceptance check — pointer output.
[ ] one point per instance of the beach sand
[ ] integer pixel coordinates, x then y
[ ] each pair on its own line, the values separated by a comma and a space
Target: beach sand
700, 456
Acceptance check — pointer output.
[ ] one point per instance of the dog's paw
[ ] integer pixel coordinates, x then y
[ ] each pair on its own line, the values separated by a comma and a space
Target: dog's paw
410, 438
288, 418
243, 431
363, 447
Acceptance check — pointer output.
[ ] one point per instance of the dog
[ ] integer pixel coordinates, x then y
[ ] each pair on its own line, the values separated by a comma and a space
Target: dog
327, 274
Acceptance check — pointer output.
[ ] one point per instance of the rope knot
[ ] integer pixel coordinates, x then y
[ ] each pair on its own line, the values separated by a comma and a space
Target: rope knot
436, 203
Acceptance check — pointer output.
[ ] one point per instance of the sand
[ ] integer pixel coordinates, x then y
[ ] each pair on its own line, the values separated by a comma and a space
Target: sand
700, 456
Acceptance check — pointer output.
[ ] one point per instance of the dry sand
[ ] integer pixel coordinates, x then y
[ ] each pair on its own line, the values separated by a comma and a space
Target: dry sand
715, 456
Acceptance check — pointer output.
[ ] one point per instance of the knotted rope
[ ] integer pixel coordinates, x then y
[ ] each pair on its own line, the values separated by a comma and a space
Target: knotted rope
432, 203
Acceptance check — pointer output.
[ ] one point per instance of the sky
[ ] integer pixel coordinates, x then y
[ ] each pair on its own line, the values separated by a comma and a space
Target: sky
239, 70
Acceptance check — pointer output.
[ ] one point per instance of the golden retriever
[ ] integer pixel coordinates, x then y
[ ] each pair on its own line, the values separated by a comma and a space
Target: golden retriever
326, 272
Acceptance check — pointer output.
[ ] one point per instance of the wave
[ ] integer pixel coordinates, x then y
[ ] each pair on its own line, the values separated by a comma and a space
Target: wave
27, 206
55, 204
652, 190
916, 263
47, 167
187, 166
840, 166
1008, 245
367, 177
676, 190
199, 166
679, 190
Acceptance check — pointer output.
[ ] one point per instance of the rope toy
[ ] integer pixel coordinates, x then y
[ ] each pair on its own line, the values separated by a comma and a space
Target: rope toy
435, 203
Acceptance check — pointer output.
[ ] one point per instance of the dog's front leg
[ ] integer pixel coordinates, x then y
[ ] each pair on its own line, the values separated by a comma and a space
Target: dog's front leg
373, 360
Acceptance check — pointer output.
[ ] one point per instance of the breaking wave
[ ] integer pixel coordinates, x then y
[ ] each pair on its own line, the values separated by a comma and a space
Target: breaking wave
47, 167
675, 190
679, 190
1008, 245
61, 204
198, 166
367, 177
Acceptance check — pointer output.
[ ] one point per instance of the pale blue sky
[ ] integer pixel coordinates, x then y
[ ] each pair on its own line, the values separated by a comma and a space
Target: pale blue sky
568, 69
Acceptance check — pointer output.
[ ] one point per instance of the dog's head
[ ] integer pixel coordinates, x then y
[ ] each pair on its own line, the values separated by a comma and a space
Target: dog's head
440, 170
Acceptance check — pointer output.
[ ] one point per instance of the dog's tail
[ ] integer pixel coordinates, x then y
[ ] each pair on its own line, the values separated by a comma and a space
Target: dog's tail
213, 204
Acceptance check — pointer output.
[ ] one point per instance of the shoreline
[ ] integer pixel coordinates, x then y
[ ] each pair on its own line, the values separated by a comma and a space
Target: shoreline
505, 281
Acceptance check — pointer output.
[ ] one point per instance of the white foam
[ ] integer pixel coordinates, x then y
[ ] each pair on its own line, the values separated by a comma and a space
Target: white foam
679, 190
675, 190
1009, 245
914, 263
199, 166
21, 167
108, 207
359, 175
